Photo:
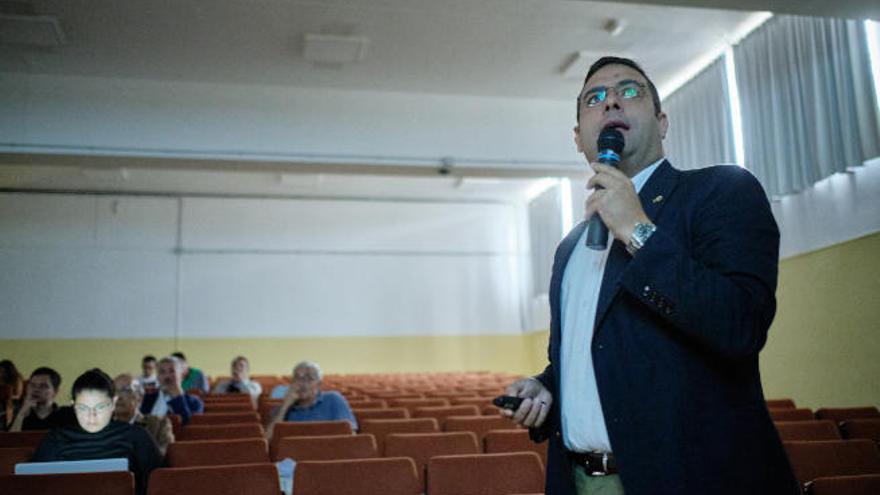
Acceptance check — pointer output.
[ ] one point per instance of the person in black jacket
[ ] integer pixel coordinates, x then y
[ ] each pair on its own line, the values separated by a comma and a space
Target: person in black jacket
94, 435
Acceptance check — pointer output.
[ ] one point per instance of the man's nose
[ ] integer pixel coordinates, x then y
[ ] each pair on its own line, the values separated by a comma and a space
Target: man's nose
611, 100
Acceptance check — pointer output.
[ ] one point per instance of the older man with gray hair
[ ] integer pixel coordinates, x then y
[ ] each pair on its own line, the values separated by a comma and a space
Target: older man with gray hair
129, 395
171, 398
305, 401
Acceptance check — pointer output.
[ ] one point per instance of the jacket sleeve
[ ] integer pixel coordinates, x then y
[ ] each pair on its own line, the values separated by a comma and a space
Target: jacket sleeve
720, 290
185, 405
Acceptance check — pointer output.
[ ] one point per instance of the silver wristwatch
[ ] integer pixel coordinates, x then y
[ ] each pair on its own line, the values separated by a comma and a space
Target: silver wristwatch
639, 237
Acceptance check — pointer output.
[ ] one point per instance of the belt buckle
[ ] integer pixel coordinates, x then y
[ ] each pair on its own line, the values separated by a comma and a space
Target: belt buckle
604, 471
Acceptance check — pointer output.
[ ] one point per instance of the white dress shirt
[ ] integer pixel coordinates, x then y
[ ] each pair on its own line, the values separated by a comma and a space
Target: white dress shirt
583, 424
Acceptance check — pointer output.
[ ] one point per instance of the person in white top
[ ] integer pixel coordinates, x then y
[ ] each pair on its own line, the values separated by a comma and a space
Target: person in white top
240, 382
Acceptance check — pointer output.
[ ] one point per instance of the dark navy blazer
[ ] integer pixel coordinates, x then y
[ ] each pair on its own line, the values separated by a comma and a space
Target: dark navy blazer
675, 346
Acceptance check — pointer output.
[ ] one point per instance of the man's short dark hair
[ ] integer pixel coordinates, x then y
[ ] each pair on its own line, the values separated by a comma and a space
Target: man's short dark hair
179, 355
602, 62
94, 379
54, 377
148, 358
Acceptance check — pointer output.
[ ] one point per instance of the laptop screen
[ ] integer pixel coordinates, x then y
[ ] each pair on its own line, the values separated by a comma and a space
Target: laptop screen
57, 467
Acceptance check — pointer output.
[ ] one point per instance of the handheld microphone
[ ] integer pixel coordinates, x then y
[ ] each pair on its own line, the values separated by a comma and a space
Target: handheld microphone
610, 145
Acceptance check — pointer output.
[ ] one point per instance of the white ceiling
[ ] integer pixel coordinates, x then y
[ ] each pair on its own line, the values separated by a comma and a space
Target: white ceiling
512, 48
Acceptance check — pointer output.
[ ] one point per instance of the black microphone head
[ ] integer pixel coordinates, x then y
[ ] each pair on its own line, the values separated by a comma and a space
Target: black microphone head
610, 139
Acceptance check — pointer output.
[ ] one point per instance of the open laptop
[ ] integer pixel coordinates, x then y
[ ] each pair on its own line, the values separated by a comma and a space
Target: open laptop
59, 467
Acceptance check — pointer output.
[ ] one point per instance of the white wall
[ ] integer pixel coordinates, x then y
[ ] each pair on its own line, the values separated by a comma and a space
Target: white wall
75, 266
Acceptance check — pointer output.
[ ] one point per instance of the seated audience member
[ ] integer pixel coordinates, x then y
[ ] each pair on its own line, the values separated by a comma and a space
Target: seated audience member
95, 436
193, 378
306, 402
171, 397
240, 382
9, 377
38, 410
149, 379
129, 395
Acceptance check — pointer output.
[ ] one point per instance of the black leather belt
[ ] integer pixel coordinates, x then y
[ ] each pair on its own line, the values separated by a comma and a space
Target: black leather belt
594, 463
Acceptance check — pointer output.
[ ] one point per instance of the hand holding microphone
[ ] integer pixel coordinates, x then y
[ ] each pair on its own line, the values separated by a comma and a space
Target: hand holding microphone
610, 145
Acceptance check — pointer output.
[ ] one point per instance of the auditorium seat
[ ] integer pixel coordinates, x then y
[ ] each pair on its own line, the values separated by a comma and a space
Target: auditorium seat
227, 399
325, 448
807, 430
217, 452
266, 408
815, 459
866, 484
440, 413
485, 474
235, 479
861, 428
307, 429
479, 424
413, 404
30, 438
450, 394
368, 404
420, 447
498, 441
480, 402
385, 476
223, 418
114, 483
792, 415
176, 423
220, 432
840, 414
780, 404
389, 413
392, 396
223, 408
10, 456
380, 428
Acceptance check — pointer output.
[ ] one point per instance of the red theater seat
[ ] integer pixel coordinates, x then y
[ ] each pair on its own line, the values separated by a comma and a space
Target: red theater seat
217, 452
115, 483
386, 476
234, 479
485, 474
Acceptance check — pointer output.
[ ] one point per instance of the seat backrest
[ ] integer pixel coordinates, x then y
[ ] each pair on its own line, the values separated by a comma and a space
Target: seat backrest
485, 474
232, 407
215, 480
388, 413
479, 424
224, 418
380, 428
217, 452
839, 414
113, 483
442, 412
498, 441
866, 484
384, 476
815, 459
420, 447
227, 399
807, 430
861, 428
327, 448
792, 415
480, 402
10, 456
307, 429
368, 404
781, 404
22, 438
413, 404
220, 432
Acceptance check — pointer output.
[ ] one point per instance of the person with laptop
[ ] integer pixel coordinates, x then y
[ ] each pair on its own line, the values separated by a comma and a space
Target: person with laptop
94, 434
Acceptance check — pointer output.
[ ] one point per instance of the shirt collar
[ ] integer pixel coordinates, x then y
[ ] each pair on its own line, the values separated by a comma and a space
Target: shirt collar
642, 177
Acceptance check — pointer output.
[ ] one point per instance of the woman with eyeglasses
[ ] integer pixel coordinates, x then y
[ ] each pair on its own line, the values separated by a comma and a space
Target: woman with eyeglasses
94, 434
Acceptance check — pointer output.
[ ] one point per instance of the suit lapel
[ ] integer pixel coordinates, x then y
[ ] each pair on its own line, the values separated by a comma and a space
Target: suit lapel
653, 196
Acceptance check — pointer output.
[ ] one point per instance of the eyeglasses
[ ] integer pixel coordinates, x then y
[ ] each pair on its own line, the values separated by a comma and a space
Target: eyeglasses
98, 409
305, 378
625, 90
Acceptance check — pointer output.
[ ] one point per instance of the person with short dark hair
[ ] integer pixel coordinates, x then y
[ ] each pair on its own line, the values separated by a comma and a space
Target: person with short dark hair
240, 383
38, 409
193, 378
94, 434
653, 385
149, 379
171, 397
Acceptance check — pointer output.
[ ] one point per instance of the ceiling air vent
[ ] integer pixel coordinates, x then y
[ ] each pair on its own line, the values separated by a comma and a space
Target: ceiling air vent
37, 31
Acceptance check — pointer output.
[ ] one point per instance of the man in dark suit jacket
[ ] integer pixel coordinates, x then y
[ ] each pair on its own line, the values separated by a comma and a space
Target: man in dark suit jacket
653, 384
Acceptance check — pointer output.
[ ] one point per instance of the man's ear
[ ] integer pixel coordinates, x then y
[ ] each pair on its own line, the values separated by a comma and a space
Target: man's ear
663, 122
577, 139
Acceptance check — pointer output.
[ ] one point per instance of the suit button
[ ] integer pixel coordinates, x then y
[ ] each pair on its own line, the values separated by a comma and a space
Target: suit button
646, 290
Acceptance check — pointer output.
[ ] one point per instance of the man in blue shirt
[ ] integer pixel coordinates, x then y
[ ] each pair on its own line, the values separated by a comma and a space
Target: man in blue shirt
305, 401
